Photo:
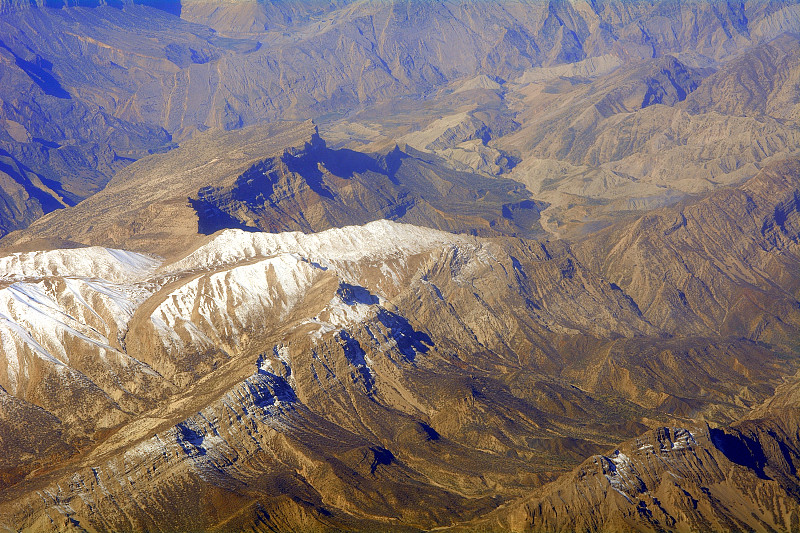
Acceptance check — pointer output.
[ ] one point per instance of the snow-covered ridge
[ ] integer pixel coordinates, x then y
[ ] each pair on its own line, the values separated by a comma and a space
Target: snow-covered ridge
252, 280
59, 303
376, 240
67, 298
43, 317
117, 266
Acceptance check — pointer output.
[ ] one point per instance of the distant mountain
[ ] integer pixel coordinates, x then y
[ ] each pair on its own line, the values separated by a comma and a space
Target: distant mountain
89, 87
645, 136
679, 257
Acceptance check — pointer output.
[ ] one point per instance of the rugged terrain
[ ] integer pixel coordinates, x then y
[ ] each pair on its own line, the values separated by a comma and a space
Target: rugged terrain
532, 266
89, 88
388, 375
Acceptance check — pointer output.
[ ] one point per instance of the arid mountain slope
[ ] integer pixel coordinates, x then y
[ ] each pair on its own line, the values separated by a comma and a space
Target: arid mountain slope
678, 260
674, 479
763, 81
596, 148
233, 322
690, 478
24, 196
742, 477
599, 140
147, 205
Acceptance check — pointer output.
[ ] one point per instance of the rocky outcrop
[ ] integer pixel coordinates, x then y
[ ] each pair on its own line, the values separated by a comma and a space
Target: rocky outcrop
145, 206
278, 178
322, 188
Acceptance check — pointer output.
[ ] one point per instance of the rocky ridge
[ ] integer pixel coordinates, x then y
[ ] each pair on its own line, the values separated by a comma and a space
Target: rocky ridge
277, 178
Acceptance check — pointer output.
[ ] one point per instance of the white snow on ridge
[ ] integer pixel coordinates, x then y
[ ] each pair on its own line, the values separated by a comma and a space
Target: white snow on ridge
621, 472
233, 299
93, 262
28, 307
40, 318
268, 273
377, 240
683, 438
55, 302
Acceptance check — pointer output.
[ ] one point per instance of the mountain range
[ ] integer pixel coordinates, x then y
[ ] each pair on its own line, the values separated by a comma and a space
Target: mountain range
399, 266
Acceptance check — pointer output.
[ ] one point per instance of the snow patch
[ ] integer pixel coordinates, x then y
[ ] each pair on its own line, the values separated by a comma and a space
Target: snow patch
223, 304
620, 472
342, 312
38, 317
683, 438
